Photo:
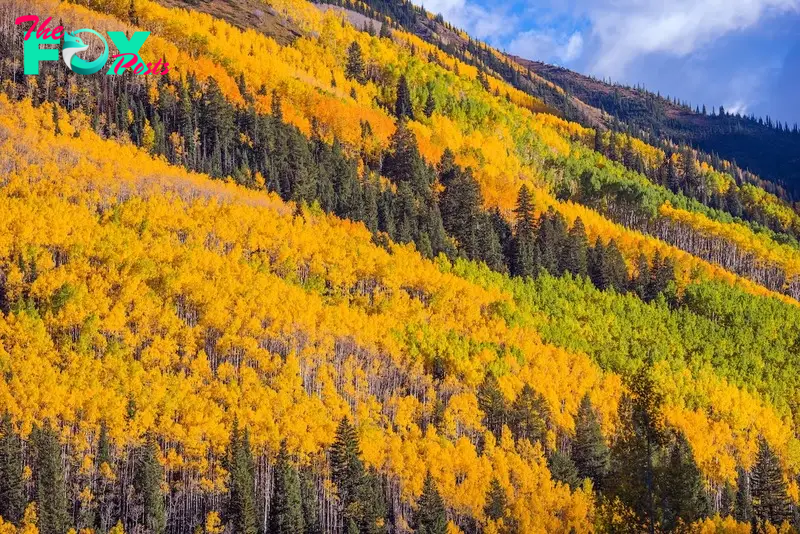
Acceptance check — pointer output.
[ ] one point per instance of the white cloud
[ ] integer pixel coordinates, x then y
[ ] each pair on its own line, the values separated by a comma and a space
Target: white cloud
627, 30
547, 45
737, 107
479, 22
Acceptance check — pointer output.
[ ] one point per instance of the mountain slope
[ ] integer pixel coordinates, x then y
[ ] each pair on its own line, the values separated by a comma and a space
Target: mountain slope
771, 153
206, 278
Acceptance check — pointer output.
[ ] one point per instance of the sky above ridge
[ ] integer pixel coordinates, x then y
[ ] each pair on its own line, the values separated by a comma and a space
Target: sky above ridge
742, 54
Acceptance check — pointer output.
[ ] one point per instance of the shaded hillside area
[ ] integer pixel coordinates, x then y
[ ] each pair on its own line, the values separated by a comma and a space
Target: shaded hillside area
760, 147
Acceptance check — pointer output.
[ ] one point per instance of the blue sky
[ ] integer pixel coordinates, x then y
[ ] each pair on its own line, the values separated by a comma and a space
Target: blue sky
743, 54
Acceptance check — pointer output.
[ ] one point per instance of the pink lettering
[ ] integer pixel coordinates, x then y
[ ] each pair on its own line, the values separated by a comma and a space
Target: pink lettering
28, 18
43, 32
122, 64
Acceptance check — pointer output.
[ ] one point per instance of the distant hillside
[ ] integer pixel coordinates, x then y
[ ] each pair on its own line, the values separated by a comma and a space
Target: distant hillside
761, 148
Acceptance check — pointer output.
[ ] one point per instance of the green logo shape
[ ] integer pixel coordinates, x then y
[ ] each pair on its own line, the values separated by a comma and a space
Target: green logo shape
73, 44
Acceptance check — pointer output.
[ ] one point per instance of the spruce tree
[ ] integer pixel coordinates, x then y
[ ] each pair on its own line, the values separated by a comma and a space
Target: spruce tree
589, 450
523, 261
616, 272
286, 510
743, 506
105, 492
430, 517
771, 501
640, 284
354, 70
562, 469
496, 501
596, 265
529, 416
51, 493
573, 258
347, 470
147, 484
683, 494
492, 403
402, 106
372, 505
636, 451
308, 496
385, 32
241, 510
12, 485
430, 104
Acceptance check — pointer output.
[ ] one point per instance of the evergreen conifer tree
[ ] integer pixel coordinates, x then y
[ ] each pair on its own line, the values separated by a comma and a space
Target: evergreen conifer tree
347, 470
402, 106
241, 511
683, 494
147, 484
354, 70
573, 258
492, 403
12, 485
771, 501
529, 416
496, 501
524, 261
286, 510
51, 493
430, 517
589, 450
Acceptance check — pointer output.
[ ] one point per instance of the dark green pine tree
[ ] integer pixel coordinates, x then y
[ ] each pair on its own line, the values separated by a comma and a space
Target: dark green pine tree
493, 404
596, 265
147, 484
12, 485
347, 471
683, 495
372, 505
743, 505
385, 32
615, 268
51, 493
286, 510
430, 104
354, 70
640, 283
771, 501
573, 258
241, 509
308, 496
483, 80
186, 125
105, 487
589, 449
636, 451
490, 249
598, 141
403, 162
733, 204
550, 241
628, 154
562, 469
496, 501
529, 416
460, 205
669, 171
430, 517
524, 257
402, 106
